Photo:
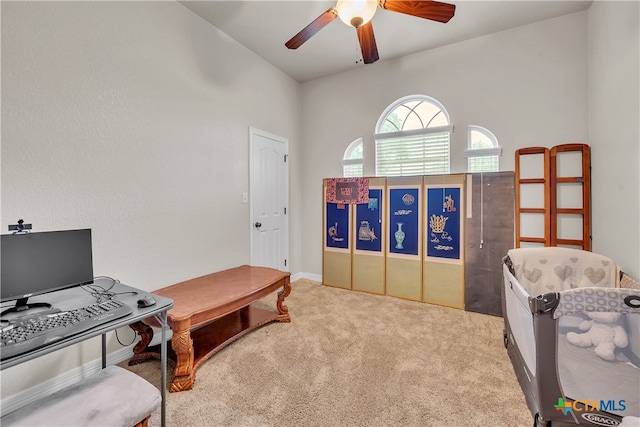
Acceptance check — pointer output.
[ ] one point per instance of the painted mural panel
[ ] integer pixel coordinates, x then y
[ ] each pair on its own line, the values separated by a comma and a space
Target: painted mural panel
337, 226
403, 221
347, 190
443, 222
369, 223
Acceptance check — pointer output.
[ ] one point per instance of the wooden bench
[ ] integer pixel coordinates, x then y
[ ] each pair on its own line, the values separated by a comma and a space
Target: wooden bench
209, 313
111, 397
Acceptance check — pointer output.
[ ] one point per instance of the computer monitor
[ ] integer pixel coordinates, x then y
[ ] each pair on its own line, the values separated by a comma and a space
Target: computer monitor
37, 263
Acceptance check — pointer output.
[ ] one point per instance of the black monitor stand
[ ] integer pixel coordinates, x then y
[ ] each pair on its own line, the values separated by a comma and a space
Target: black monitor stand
22, 305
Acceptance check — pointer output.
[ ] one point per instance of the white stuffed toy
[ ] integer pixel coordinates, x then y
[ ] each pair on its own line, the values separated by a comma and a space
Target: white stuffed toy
603, 331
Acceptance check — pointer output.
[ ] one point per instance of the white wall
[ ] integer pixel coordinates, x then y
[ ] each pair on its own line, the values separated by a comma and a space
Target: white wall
132, 119
614, 130
527, 85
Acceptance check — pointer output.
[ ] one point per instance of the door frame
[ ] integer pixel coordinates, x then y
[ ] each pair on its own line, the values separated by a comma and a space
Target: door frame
253, 132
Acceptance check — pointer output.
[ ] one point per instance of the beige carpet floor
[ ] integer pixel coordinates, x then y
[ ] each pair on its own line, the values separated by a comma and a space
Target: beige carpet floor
354, 359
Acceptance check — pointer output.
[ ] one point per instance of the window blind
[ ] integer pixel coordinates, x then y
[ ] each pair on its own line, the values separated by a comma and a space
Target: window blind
412, 153
483, 164
352, 171
483, 159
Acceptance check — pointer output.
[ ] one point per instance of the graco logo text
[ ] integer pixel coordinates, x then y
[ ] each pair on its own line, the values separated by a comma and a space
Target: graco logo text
601, 420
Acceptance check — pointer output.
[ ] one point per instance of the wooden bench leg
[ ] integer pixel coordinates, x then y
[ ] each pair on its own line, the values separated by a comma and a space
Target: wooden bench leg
185, 375
140, 353
283, 309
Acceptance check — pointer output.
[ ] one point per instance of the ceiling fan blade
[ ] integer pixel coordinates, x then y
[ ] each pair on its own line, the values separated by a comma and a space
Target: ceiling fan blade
427, 9
305, 34
367, 43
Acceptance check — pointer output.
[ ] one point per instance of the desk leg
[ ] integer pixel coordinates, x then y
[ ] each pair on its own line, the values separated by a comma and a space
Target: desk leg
162, 317
104, 351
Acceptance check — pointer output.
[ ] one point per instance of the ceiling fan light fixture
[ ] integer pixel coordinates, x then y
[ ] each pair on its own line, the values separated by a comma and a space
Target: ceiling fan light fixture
356, 12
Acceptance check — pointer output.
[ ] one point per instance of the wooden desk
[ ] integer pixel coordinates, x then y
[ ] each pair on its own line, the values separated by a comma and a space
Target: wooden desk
209, 313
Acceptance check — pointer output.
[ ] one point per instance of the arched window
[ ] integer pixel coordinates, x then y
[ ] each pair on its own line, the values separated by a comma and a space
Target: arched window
353, 159
412, 138
483, 152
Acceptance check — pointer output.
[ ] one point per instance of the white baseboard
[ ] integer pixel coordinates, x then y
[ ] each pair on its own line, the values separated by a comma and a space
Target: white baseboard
22, 398
309, 276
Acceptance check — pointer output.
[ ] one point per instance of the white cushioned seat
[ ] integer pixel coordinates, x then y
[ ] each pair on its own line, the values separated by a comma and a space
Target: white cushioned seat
111, 397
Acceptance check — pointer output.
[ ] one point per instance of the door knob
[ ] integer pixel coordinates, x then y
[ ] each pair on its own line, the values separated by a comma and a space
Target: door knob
257, 225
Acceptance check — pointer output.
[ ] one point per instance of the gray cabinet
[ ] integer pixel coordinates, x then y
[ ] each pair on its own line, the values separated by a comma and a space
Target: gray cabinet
489, 234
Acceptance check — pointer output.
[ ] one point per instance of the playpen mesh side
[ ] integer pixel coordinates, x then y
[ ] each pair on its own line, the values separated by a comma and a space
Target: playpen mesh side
520, 319
583, 375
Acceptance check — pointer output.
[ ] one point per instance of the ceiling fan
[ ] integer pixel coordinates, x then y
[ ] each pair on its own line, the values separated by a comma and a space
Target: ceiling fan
358, 14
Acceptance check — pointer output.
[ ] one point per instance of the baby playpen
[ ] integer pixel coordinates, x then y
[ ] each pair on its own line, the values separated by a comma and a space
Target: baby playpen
572, 332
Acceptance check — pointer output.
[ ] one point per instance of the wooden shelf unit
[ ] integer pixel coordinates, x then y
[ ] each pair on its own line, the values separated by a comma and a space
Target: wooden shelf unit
543, 179
584, 180
551, 207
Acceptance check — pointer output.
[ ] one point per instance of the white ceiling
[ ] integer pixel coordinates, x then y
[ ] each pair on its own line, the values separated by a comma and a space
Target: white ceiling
263, 26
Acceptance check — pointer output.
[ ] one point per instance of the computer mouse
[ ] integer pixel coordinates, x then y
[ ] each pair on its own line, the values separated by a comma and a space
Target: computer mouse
146, 301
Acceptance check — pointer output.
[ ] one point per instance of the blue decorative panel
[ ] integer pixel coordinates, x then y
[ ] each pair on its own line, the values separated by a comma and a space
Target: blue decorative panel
443, 222
403, 221
369, 223
337, 226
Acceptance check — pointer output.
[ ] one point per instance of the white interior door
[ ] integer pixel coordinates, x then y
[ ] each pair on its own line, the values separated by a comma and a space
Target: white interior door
269, 197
